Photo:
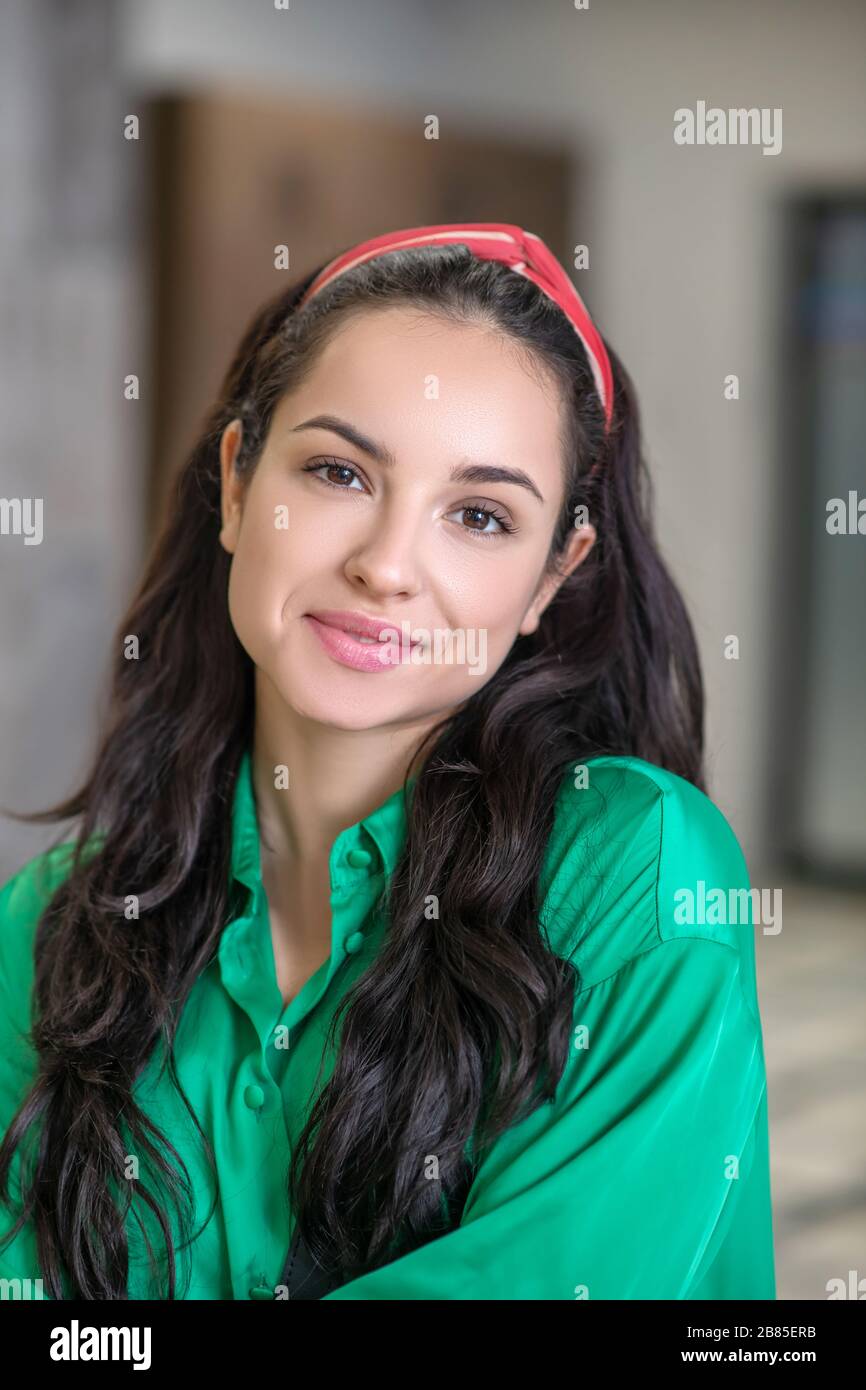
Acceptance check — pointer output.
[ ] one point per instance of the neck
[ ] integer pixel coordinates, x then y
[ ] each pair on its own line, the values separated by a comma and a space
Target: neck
335, 778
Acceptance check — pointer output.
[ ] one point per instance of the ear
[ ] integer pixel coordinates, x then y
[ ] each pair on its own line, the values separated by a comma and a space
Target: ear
232, 492
579, 545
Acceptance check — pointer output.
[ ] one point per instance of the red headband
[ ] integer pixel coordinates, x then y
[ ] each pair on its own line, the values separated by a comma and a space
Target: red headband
523, 251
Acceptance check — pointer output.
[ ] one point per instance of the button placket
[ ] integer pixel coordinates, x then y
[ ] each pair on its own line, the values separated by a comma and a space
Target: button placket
254, 1097
356, 858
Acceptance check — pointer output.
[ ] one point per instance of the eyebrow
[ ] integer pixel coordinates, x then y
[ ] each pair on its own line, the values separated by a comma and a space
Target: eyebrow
466, 472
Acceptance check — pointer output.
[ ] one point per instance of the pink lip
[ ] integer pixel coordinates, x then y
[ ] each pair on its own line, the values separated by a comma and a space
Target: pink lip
335, 628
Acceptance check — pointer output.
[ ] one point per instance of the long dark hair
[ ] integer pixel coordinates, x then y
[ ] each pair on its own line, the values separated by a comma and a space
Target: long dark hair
612, 668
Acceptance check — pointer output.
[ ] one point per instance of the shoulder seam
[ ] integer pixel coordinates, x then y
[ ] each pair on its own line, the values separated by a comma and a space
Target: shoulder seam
664, 941
753, 1013
661, 806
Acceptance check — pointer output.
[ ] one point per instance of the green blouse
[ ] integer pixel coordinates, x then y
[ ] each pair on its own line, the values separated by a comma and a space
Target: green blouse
647, 1176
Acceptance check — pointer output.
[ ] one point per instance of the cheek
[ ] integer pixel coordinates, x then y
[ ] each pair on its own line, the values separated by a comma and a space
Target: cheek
259, 583
494, 596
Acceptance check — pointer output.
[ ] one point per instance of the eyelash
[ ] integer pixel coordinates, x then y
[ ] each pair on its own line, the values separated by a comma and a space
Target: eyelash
508, 528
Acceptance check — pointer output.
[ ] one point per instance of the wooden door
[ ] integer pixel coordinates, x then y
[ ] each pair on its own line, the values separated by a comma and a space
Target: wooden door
231, 178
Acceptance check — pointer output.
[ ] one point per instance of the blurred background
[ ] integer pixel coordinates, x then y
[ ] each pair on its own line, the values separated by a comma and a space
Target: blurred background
304, 126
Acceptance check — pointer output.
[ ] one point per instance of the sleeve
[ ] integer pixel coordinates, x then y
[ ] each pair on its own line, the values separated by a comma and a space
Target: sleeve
622, 1187
23, 898
20, 906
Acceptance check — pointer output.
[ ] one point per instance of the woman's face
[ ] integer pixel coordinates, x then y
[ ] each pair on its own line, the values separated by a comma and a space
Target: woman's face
415, 478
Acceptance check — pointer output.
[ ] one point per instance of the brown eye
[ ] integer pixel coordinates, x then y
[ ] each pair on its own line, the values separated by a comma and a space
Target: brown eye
502, 525
333, 465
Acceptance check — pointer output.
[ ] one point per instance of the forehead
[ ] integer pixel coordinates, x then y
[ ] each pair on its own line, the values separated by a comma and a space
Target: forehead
400, 372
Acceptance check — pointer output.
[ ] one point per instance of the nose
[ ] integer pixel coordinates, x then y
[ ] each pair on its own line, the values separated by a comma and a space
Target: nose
388, 558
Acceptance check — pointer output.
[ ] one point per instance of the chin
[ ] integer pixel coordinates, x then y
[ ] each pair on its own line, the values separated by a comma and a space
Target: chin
336, 708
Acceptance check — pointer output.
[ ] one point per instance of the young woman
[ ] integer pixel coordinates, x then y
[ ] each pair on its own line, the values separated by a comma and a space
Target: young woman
381, 966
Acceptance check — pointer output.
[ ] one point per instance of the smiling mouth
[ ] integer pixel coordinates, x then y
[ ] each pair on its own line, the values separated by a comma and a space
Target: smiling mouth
360, 650
367, 631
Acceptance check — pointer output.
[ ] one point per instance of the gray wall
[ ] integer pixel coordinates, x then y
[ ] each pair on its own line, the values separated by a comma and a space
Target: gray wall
71, 318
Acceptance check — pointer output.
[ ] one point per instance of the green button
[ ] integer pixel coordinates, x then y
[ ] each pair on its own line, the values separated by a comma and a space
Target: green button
355, 942
254, 1097
261, 1292
359, 858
